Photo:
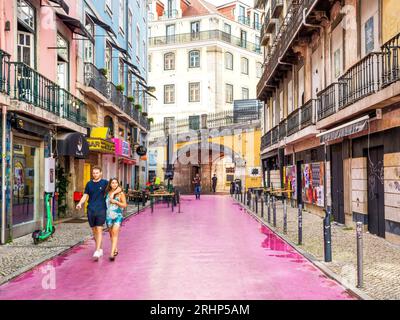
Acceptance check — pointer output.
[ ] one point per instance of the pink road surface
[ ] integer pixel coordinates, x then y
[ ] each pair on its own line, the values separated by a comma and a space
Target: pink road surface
211, 250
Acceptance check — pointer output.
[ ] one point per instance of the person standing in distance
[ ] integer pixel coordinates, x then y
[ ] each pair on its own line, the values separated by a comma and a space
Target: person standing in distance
95, 191
197, 186
214, 182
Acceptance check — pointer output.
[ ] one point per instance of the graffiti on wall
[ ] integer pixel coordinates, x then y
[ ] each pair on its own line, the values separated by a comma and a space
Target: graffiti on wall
289, 177
313, 183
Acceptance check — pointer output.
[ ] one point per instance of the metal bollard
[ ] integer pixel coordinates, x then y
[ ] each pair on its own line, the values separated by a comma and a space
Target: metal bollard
244, 197
300, 224
359, 255
269, 208
274, 210
241, 196
284, 216
262, 206
138, 205
256, 201
327, 236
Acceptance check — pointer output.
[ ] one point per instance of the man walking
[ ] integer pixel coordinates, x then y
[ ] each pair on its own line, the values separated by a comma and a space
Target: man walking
214, 182
95, 191
197, 186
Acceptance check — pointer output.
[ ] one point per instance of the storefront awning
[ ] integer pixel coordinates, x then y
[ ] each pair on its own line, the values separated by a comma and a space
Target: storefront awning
62, 4
122, 50
135, 70
73, 144
99, 132
75, 26
101, 24
344, 130
150, 94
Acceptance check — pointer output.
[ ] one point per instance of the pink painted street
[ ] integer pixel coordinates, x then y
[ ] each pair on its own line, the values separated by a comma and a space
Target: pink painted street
212, 249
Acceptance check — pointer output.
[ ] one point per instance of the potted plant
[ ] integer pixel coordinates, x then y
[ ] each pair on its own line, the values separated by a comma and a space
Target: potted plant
103, 71
144, 114
151, 120
120, 87
131, 99
138, 107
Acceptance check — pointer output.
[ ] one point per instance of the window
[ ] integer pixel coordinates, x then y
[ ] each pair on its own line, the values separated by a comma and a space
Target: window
138, 53
25, 48
62, 62
169, 93
26, 14
194, 92
257, 43
243, 38
121, 72
194, 59
228, 60
88, 45
130, 85
169, 61
130, 27
245, 65
256, 21
194, 122
121, 14
195, 30
245, 94
170, 30
108, 61
229, 93
226, 35
259, 70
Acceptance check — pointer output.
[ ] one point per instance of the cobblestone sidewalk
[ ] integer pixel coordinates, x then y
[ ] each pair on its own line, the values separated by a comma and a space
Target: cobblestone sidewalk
21, 255
381, 258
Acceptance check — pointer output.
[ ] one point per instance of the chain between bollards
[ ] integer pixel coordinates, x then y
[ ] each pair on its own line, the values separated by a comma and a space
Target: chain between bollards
359, 255
284, 215
300, 224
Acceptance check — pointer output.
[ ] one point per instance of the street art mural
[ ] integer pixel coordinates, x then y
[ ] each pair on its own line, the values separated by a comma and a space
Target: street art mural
312, 183
289, 182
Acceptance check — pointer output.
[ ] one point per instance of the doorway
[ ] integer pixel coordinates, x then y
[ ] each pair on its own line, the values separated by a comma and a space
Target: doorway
376, 204
337, 183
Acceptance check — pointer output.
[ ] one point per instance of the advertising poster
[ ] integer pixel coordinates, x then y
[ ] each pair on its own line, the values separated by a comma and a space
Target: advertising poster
313, 183
290, 181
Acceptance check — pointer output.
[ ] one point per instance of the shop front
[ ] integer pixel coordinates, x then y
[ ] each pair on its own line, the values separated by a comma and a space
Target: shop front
125, 162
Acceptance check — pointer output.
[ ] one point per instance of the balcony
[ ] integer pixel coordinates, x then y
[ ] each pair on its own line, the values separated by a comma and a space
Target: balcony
170, 14
276, 8
257, 25
308, 114
390, 63
275, 135
328, 100
95, 79
282, 130
264, 36
286, 35
244, 20
293, 122
211, 35
31, 87
266, 140
271, 24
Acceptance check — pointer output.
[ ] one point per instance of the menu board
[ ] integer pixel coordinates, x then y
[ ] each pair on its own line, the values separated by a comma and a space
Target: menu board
313, 183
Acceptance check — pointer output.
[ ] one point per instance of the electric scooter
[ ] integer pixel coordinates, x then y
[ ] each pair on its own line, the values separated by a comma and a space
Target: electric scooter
42, 235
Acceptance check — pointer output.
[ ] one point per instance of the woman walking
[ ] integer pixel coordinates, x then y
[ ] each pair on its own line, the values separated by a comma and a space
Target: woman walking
116, 203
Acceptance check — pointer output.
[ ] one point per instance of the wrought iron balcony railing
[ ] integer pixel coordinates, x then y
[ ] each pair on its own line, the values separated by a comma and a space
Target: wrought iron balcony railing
4, 72
275, 134
391, 61
282, 129
293, 122
95, 79
204, 36
308, 114
31, 87
328, 100
266, 140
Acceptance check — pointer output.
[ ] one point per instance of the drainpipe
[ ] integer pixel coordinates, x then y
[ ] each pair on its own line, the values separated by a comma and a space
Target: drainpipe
3, 177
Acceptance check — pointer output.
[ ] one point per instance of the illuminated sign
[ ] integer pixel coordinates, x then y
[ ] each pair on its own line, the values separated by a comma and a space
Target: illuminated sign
100, 145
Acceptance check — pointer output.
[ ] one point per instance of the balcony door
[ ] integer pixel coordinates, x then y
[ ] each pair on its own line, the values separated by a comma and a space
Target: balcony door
195, 30
170, 33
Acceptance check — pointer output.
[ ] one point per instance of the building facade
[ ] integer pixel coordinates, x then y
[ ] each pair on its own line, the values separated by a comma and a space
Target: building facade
58, 107
331, 116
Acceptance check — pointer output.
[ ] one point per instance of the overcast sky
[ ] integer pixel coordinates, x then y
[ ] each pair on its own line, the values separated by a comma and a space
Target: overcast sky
219, 2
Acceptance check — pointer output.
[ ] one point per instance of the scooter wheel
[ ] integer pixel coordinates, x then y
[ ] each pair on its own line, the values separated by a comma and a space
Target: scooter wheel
35, 236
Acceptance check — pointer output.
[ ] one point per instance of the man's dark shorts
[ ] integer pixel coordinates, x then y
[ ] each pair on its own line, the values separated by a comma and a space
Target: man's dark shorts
96, 218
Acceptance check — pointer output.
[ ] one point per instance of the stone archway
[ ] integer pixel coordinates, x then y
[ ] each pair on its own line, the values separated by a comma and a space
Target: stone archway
206, 159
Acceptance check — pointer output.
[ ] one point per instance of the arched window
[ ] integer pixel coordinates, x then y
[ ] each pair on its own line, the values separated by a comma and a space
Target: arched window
194, 59
169, 61
109, 123
229, 60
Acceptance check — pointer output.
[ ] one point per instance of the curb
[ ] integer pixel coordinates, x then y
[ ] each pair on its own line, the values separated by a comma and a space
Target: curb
355, 291
61, 252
